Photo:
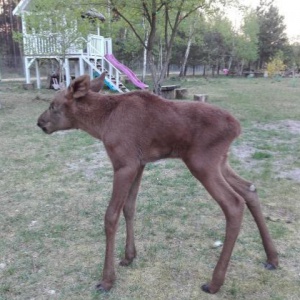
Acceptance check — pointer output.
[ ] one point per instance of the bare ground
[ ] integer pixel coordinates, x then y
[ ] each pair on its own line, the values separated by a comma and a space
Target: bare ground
244, 151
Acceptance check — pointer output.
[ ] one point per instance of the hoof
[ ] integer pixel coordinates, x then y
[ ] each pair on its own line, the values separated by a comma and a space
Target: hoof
126, 262
269, 266
103, 288
205, 288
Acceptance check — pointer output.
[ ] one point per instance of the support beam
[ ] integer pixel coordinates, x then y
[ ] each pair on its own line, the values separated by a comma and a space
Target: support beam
27, 70
67, 70
81, 66
77, 69
37, 74
91, 72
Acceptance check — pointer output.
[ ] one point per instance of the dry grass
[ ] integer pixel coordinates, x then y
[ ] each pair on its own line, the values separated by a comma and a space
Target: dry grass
54, 192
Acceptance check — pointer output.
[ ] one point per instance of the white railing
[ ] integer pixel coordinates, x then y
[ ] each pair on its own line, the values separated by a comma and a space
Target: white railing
52, 44
101, 65
108, 46
97, 45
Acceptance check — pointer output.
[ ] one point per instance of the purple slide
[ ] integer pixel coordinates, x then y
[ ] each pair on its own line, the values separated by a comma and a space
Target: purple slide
131, 76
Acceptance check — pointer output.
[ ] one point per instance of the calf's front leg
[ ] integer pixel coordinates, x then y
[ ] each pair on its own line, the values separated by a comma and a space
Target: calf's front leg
129, 212
123, 181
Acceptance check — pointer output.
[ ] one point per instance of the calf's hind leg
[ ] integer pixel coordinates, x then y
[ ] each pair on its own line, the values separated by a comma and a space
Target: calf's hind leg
248, 191
232, 205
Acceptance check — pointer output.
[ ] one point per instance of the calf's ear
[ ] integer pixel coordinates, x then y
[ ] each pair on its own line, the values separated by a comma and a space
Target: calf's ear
78, 87
98, 83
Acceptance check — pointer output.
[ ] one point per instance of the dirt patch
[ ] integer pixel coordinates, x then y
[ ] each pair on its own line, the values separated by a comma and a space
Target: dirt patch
291, 175
283, 166
4, 106
91, 164
292, 126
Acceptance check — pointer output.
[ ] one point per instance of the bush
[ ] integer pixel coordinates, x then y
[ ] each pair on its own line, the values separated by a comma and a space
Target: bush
275, 66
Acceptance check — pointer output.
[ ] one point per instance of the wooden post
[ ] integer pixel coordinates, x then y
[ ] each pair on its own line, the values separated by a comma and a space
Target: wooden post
201, 97
168, 91
181, 93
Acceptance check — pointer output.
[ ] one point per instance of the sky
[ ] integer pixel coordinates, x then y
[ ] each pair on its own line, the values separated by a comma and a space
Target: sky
290, 9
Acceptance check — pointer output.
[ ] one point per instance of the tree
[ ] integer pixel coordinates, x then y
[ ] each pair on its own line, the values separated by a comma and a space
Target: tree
296, 55
9, 49
247, 40
189, 37
125, 46
271, 36
160, 38
213, 42
218, 41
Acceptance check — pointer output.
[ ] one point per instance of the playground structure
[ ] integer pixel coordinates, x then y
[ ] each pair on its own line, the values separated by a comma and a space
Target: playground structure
94, 55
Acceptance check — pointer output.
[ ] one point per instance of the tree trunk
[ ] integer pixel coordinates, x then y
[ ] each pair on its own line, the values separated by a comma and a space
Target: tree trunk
241, 68
185, 70
186, 56
230, 63
153, 69
145, 58
188, 48
13, 44
213, 70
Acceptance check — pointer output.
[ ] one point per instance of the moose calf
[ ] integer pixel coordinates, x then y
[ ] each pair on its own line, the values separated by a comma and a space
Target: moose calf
140, 127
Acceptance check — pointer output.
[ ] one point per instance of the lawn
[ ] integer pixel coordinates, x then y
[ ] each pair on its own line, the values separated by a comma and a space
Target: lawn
54, 191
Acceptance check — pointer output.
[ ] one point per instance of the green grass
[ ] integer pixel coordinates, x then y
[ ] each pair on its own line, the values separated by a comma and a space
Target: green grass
261, 155
54, 191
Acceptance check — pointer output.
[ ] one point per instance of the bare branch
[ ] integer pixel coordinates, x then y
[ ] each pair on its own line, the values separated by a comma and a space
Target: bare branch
192, 11
130, 25
146, 13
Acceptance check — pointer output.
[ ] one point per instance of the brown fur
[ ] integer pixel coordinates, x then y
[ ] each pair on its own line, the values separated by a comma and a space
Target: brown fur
97, 84
140, 127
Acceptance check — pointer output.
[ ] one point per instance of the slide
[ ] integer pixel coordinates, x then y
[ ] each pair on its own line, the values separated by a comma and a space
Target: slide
131, 76
109, 85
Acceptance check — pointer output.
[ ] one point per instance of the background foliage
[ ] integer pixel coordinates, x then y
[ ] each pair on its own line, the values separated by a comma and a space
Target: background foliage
185, 33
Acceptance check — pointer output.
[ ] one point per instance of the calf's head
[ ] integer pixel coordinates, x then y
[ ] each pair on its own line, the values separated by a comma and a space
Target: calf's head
60, 114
